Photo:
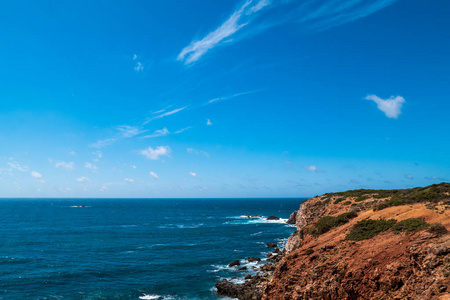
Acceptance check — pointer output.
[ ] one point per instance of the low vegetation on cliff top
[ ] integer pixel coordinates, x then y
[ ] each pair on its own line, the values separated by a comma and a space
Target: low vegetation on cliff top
327, 223
367, 229
434, 193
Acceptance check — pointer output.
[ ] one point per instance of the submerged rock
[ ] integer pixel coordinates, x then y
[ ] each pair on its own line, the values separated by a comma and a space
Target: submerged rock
272, 218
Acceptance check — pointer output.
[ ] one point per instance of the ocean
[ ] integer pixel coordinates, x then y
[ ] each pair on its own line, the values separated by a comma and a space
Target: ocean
132, 248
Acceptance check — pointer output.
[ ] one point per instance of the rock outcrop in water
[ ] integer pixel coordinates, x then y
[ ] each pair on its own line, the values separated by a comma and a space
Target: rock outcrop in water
399, 248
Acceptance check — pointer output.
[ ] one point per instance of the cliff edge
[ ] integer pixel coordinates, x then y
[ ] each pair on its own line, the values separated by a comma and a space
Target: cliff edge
367, 244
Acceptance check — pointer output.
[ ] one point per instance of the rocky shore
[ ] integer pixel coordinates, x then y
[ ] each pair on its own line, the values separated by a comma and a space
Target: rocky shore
361, 244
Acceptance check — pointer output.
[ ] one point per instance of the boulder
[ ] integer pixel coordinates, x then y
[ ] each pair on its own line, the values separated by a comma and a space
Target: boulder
234, 263
252, 259
243, 269
272, 218
292, 218
271, 245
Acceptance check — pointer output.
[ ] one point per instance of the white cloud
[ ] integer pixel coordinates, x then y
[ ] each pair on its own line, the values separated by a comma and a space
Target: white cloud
158, 133
17, 166
311, 168
65, 165
90, 166
154, 154
127, 131
98, 153
218, 99
134, 56
129, 180
197, 49
193, 174
36, 175
139, 67
73, 153
391, 107
182, 130
154, 175
103, 143
309, 15
197, 152
133, 166
409, 176
83, 179
162, 115
208, 122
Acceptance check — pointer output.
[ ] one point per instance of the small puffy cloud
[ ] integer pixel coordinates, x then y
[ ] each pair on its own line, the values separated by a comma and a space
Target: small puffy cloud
193, 174
154, 175
83, 179
65, 165
139, 67
98, 153
409, 176
73, 153
311, 168
154, 154
133, 166
134, 56
208, 122
103, 188
391, 107
129, 180
90, 166
36, 175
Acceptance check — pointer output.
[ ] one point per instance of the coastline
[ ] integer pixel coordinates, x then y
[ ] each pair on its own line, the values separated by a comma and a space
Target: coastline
362, 244
261, 271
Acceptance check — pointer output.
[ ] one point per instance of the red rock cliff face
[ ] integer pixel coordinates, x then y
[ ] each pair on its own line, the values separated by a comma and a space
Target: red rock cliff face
388, 266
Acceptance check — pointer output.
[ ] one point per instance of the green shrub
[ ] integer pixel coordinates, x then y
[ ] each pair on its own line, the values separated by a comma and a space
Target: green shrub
339, 200
347, 202
327, 223
361, 198
409, 225
367, 229
324, 224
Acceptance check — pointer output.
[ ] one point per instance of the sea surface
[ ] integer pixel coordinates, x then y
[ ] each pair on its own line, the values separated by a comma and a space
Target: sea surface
132, 248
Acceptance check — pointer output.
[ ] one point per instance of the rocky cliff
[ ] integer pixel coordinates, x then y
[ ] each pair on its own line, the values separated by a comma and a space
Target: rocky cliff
366, 244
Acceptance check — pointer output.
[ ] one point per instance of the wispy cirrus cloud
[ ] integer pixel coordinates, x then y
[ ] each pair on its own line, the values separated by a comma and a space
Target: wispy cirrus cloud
158, 133
154, 175
218, 99
163, 114
257, 16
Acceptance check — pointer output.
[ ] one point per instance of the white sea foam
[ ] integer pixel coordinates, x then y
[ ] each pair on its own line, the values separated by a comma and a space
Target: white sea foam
242, 220
150, 297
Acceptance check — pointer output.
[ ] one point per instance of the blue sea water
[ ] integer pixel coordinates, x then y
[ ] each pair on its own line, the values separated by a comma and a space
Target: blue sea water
132, 248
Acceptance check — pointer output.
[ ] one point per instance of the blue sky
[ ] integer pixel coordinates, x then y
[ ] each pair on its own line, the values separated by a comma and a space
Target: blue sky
256, 98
